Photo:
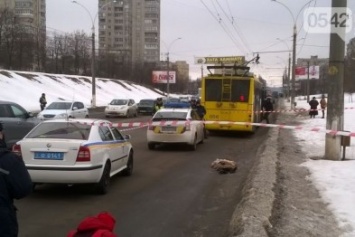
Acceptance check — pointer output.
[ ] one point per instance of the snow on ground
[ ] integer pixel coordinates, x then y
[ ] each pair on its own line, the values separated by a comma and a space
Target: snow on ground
334, 179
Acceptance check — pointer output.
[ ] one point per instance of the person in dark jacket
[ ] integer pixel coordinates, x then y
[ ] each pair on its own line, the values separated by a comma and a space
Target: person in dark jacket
42, 101
201, 111
267, 108
15, 183
314, 104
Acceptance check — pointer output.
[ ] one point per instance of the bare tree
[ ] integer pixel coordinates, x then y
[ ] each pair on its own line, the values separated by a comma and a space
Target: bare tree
78, 48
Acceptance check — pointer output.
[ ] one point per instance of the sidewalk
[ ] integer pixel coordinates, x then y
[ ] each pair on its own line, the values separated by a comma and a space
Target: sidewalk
279, 199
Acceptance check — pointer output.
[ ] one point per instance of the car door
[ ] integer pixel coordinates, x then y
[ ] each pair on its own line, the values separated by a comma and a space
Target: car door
111, 147
17, 122
84, 110
124, 147
75, 110
80, 110
197, 123
134, 107
130, 107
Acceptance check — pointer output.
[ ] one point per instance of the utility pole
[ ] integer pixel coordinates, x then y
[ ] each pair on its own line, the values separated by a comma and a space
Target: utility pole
93, 72
288, 76
167, 59
293, 89
335, 108
167, 75
307, 81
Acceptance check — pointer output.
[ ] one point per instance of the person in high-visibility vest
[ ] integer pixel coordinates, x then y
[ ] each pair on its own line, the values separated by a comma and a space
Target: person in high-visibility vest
158, 104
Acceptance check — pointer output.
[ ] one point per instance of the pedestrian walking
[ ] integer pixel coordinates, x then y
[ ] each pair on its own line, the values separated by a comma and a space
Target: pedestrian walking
15, 183
323, 105
201, 111
267, 108
314, 104
42, 101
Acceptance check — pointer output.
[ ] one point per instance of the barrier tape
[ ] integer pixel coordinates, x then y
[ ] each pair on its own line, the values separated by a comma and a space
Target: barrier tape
289, 110
136, 125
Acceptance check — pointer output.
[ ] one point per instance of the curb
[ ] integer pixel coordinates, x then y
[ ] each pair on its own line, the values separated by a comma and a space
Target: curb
251, 217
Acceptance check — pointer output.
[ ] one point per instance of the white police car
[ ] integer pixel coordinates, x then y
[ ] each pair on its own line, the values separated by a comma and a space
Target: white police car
76, 151
175, 125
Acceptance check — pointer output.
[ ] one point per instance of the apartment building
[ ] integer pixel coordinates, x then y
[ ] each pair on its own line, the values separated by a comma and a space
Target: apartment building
28, 13
131, 29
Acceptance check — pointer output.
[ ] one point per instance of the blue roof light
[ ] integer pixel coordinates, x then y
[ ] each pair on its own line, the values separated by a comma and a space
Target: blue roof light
177, 105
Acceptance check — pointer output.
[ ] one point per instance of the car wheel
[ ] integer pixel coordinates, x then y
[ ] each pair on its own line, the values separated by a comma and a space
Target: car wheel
104, 183
129, 170
87, 116
151, 145
193, 147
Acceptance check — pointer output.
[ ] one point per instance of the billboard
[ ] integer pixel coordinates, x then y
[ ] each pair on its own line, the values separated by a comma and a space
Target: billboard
302, 73
218, 60
161, 77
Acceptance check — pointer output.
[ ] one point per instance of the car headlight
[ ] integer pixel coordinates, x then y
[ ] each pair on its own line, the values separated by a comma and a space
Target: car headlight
61, 116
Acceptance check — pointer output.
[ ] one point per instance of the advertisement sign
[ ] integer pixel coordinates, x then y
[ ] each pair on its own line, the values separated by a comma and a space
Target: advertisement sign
219, 60
161, 77
302, 73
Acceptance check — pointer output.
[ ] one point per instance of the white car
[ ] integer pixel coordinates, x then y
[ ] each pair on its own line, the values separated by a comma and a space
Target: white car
64, 109
175, 125
76, 151
122, 107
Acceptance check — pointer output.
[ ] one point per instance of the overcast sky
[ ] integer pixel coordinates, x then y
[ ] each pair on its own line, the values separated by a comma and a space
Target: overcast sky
218, 28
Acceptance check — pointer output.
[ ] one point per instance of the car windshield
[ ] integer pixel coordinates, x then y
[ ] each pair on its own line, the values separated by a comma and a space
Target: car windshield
146, 102
59, 105
170, 115
119, 102
63, 130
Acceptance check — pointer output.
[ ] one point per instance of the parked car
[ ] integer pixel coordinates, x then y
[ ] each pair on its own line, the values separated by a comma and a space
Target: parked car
146, 106
122, 107
64, 109
16, 121
76, 151
185, 127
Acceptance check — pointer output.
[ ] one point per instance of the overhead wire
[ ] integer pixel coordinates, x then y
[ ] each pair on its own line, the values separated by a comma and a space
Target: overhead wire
221, 23
305, 37
239, 33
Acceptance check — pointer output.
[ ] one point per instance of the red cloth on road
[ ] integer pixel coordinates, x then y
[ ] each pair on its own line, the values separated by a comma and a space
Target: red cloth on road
100, 225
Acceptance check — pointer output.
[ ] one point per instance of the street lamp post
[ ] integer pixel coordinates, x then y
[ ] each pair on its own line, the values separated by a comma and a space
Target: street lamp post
168, 66
93, 54
288, 67
293, 94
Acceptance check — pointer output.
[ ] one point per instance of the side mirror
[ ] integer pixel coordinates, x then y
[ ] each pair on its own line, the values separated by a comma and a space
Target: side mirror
75, 108
127, 137
30, 115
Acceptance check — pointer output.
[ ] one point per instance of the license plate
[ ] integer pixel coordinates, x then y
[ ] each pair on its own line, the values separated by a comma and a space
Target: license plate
169, 129
49, 155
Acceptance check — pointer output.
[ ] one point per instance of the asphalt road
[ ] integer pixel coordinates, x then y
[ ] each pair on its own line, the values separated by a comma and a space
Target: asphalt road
172, 192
